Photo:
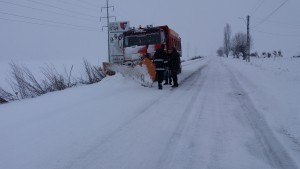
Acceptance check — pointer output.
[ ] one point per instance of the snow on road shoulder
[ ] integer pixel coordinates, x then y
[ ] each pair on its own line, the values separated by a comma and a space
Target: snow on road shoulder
273, 85
50, 131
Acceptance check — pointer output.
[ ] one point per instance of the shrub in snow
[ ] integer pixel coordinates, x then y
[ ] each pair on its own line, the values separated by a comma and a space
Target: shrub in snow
93, 74
24, 84
54, 81
2, 101
7, 96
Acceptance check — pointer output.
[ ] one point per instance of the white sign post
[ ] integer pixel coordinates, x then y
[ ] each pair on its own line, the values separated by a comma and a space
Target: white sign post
116, 30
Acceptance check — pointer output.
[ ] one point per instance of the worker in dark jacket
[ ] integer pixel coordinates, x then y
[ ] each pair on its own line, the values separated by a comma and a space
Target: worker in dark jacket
159, 62
174, 66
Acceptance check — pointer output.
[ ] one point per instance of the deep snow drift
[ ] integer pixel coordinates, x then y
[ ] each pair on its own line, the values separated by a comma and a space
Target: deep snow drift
226, 113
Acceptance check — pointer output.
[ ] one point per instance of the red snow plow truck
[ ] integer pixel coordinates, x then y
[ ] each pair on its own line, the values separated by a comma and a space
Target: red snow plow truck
139, 46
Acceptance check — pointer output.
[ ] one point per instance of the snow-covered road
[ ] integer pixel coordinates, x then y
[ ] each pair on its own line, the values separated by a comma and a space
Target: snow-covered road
210, 121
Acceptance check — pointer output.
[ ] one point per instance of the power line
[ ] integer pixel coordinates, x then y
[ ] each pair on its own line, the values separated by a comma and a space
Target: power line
89, 4
46, 20
77, 5
63, 9
256, 7
43, 24
276, 34
284, 23
47, 11
272, 13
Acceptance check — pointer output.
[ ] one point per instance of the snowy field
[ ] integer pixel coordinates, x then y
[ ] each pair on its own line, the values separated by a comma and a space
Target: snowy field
226, 113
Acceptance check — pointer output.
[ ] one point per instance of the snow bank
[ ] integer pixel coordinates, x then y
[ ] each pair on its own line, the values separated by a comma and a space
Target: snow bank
274, 86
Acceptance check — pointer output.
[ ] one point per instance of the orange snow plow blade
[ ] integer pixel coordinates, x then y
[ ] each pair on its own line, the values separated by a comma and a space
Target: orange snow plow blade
150, 67
144, 73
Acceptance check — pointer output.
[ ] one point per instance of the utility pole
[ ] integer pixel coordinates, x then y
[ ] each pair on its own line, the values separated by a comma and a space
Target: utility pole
107, 18
248, 40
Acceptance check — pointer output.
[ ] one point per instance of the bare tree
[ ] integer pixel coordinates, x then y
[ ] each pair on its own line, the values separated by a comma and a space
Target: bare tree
227, 36
269, 54
239, 44
280, 53
254, 54
220, 51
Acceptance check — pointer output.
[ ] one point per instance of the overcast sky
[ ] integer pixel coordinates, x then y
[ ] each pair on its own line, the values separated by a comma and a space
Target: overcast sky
71, 29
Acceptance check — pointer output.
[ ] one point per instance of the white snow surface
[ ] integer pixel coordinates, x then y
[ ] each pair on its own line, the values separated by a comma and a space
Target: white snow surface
225, 114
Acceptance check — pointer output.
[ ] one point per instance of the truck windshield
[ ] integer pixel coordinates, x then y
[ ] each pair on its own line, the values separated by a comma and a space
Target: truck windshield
142, 39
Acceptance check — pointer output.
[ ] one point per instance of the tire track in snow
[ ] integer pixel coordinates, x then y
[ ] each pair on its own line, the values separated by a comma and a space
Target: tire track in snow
275, 154
187, 120
95, 148
196, 72
90, 155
